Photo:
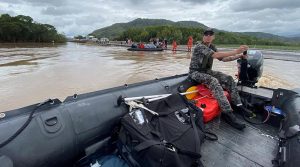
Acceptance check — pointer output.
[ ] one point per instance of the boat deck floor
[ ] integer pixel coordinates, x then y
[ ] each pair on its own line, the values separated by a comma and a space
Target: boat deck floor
254, 146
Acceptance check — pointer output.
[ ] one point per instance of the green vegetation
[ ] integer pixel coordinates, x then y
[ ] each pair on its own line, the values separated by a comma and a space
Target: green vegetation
181, 34
114, 31
272, 36
23, 29
268, 47
145, 29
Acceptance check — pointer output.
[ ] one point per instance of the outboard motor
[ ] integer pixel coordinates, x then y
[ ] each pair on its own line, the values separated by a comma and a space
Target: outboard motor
250, 69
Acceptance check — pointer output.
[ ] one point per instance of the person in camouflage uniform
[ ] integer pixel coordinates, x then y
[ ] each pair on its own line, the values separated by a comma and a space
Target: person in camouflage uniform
201, 71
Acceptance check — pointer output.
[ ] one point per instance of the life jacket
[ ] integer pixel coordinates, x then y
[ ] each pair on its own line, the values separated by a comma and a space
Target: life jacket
206, 64
190, 41
174, 44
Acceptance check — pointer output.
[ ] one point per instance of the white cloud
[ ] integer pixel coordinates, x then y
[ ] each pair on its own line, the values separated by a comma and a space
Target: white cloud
59, 11
4, 10
255, 5
48, 2
82, 17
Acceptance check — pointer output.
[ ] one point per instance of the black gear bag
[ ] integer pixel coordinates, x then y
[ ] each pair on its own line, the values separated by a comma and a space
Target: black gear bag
289, 134
172, 138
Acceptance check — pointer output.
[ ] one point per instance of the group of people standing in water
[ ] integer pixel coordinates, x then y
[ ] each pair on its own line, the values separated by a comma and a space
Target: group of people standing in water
189, 44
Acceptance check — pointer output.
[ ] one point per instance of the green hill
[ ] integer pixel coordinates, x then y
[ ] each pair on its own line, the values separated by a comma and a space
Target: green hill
144, 29
272, 36
262, 35
115, 30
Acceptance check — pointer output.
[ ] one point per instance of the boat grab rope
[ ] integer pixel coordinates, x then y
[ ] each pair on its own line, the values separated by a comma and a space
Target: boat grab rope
11, 138
133, 104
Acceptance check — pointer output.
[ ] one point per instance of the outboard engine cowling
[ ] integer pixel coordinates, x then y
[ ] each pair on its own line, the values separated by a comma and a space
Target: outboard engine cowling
250, 69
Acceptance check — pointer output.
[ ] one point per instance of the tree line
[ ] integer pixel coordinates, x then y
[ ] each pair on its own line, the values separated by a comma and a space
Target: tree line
23, 29
181, 34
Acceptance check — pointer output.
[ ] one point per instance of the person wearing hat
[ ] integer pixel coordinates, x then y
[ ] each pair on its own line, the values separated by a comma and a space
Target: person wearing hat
201, 71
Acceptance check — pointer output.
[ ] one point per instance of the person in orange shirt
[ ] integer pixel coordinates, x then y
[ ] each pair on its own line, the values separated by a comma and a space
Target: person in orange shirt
174, 44
190, 44
141, 46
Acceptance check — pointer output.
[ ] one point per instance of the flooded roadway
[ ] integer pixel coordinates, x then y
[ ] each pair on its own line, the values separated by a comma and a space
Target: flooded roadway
31, 74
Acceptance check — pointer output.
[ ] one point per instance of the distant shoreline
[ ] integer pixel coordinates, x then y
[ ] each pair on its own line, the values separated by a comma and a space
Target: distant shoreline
28, 44
223, 46
264, 47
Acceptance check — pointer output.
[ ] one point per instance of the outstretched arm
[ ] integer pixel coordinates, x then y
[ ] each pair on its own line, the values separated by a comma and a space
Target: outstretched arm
232, 54
231, 58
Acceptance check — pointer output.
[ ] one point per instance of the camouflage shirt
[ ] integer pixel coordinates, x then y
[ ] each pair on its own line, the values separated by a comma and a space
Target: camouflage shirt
202, 58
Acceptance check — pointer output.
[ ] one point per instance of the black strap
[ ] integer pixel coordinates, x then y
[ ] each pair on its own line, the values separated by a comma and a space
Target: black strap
149, 143
146, 144
197, 139
208, 135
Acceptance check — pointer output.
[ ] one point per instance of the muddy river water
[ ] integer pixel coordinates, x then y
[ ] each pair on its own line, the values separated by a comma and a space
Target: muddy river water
32, 73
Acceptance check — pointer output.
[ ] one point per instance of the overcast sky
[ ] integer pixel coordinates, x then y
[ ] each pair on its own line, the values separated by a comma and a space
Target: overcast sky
74, 17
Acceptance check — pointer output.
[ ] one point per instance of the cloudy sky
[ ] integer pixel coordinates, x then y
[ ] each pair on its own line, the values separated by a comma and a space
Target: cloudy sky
74, 17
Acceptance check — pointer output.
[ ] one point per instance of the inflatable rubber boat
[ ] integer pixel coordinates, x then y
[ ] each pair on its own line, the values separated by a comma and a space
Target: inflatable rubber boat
145, 49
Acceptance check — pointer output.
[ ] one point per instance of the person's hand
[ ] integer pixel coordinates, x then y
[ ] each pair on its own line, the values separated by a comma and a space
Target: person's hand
241, 49
244, 56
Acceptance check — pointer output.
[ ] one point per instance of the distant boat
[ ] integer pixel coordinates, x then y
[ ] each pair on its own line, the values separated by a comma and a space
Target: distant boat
145, 49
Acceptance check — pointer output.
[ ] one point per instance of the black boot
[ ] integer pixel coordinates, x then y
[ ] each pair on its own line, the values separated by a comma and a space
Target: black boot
230, 118
248, 113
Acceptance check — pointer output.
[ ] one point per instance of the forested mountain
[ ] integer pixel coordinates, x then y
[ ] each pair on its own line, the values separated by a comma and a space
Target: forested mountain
272, 36
144, 29
23, 29
117, 29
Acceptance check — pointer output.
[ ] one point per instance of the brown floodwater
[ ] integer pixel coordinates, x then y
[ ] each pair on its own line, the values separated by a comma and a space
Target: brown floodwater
32, 73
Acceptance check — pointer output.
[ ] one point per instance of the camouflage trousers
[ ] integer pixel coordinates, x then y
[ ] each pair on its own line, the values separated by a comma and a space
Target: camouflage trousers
216, 82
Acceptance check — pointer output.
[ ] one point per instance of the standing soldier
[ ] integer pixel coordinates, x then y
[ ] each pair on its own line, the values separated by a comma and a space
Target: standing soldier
174, 44
190, 44
201, 71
